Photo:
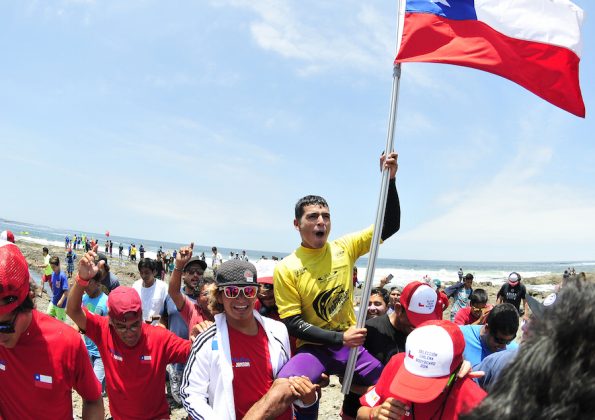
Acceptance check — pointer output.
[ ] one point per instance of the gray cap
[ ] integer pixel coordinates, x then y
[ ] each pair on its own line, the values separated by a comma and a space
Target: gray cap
194, 260
537, 308
236, 272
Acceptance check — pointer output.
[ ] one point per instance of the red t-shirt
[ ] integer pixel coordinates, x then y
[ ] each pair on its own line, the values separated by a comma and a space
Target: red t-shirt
463, 316
464, 396
135, 376
252, 369
191, 313
37, 375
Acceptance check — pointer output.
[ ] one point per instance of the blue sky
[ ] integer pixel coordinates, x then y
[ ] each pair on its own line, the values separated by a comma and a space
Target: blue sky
205, 121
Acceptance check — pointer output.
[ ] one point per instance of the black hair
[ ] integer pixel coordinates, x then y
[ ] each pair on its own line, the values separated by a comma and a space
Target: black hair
381, 292
504, 319
55, 260
45, 249
478, 296
146, 263
308, 201
27, 305
552, 373
205, 282
468, 276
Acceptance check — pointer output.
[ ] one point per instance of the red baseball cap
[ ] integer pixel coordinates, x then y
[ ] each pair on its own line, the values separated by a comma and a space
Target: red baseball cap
14, 277
420, 302
433, 352
123, 300
7, 235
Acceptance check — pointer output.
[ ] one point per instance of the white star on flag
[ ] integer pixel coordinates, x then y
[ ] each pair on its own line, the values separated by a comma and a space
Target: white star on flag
445, 2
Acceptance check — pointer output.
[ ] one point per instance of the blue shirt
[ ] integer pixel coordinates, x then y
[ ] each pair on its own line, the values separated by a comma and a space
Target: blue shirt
59, 285
96, 305
493, 366
475, 348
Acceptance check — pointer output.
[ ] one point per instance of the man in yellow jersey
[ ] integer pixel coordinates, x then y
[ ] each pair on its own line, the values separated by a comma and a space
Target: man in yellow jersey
314, 289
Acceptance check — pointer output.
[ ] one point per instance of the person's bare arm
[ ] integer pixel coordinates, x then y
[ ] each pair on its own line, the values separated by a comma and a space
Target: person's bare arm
175, 280
281, 395
87, 270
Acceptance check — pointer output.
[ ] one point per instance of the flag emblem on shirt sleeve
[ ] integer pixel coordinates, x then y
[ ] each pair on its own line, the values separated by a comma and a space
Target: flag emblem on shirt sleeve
43, 381
2, 365
145, 359
372, 397
116, 356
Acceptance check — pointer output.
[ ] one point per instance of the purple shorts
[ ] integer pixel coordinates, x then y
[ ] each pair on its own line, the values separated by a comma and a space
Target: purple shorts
314, 360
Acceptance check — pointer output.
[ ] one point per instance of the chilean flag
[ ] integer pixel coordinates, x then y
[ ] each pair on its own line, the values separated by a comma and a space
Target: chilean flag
535, 43
43, 381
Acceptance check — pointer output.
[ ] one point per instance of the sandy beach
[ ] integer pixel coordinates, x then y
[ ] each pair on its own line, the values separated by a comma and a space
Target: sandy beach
127, 273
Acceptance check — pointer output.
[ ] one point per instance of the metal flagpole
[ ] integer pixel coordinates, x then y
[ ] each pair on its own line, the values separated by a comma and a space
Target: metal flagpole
394, 102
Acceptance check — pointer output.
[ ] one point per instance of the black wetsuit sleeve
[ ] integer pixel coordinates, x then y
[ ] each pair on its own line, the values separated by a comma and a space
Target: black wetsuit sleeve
392, 214
303, 330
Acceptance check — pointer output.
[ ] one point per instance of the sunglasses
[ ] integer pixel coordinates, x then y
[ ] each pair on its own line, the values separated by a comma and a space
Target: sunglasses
7, 327
195, 271
502, 341
233, 292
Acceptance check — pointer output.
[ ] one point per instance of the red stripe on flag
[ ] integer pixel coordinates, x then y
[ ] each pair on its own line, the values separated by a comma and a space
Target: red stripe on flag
549, 71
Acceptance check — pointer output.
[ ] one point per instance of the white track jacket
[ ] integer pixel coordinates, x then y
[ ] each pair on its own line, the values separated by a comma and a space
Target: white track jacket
206, 389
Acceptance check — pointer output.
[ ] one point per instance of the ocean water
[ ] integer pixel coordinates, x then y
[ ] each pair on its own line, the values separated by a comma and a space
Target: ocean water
403, 270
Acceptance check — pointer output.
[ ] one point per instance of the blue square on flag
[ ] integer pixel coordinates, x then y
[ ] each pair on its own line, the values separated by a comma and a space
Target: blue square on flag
450, 9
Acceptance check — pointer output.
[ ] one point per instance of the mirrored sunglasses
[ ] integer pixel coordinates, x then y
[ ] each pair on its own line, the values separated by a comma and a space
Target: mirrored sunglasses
233, 292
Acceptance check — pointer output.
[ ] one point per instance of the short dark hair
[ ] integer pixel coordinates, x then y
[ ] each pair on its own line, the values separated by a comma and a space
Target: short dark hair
381, 292
308, 201
504, 319
468, 276
55, 260
478, 296
203, 282
146, 263
45, 249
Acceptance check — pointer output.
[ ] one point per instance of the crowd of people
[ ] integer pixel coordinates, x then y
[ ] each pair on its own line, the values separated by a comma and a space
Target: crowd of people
259, 341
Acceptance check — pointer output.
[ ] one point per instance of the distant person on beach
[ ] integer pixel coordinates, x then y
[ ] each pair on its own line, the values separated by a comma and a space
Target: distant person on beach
393, 298
551, 376
460, 273
141, 250
104, 276
186, 308
422, 382
41, 359
513, 292
244, 256
59, 285
460, 293
233, 366
66, 241
314, 289
216, 259
120, 251
159, 269
498, 333
442, 298
46, 277
152, 291
478, 310
70, 259
133, 253
134, 354
111, 248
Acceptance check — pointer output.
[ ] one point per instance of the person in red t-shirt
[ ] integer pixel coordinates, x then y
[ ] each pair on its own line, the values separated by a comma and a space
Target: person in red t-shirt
233, 364
423, 382
41, 359
134, 354
478, 310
